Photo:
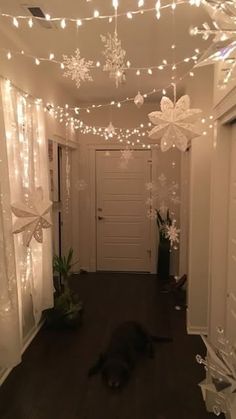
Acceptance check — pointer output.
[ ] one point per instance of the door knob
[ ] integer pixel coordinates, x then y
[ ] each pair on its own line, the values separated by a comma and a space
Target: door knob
100, 218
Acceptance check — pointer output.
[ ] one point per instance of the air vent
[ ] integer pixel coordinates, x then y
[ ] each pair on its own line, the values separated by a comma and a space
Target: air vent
37, 12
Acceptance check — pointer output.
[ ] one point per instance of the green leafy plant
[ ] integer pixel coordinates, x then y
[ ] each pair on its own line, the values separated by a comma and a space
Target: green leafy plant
63, 265
163, 223
68, 309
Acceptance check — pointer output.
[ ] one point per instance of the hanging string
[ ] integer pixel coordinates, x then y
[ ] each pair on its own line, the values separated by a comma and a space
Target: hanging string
173, 78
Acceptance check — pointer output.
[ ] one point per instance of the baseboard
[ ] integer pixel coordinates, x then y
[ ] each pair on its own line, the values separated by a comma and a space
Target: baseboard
28, 339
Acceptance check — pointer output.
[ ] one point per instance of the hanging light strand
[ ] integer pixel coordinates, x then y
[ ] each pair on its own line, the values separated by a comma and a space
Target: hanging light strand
63, 21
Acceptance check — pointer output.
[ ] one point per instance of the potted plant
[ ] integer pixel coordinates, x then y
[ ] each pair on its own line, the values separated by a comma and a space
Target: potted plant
68, 309
163, 268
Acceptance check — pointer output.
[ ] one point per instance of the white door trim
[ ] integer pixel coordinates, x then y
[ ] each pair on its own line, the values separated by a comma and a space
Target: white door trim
225, 112
92, 225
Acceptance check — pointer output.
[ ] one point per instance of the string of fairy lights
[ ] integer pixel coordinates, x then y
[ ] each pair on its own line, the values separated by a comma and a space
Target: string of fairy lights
138, 70
64, 21
64, 113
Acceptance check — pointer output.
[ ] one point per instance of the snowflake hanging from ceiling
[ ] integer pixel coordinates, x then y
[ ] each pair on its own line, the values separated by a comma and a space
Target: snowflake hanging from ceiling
126, 156
224, 31
110, 131
114, 55
77, 68
163, 194
174, 123
32, 217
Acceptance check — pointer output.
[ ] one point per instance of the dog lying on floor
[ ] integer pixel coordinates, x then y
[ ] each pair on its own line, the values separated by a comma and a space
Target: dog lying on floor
127, 341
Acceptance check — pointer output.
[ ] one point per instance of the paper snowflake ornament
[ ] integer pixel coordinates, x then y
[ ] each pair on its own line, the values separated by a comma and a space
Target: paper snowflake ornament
165, 193
126, 154
110, 130
80, 185
149, 186
139, 100
221, 376
174, 124
32, 217
77, 68
114, 55
152, 214
224, 31
172, 233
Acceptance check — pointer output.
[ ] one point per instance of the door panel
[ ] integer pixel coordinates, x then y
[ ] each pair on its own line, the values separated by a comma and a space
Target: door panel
123, 229
231, 285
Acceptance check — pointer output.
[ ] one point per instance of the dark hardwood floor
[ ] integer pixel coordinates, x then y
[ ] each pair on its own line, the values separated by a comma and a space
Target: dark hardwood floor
52, 382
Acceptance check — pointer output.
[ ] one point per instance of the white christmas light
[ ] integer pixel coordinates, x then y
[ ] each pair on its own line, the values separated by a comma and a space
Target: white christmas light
96, 13
63, 23
115, 4
37, 62
79, 22
129, 15
15, 22
140, 3
30, 22
9, 55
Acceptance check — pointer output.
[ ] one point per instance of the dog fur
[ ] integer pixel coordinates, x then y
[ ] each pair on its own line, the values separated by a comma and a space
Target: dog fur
127, 341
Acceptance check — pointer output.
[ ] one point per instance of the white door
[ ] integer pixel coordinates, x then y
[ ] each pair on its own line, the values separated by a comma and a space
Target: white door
123, 229
231, 284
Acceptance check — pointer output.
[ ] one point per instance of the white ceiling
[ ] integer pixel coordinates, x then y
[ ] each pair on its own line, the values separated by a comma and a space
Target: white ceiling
146, 40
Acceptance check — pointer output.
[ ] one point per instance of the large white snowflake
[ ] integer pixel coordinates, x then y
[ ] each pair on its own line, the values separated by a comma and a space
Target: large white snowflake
224, 31
174, 123
114, 55
32, 216
172, 232
77, 68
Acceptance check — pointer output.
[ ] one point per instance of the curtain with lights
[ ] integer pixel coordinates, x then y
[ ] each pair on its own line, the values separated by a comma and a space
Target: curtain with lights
26, 287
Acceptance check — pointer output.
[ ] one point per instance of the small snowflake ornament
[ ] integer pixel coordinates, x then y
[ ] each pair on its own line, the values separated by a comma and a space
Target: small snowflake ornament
164, 193
32, 217
80, 185
172, 233
174, 124
110, 130
149, 186
126, 154
77, 68
152, 214
115, 57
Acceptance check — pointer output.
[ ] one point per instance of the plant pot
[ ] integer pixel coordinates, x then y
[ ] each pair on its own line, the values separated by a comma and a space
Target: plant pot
163, 268
66, 313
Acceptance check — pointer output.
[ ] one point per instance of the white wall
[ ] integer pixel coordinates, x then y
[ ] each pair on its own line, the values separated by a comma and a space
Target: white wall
200, 90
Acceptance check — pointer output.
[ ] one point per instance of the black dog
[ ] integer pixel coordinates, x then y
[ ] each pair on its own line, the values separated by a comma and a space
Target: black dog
127, 341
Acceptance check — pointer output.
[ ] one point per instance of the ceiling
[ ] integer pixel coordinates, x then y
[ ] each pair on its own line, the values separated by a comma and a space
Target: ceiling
147, 42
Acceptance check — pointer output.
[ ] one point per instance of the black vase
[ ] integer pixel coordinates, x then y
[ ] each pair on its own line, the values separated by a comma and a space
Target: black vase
163, 269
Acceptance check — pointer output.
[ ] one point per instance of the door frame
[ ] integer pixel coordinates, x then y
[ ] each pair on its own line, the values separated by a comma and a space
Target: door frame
92, 225
225, 112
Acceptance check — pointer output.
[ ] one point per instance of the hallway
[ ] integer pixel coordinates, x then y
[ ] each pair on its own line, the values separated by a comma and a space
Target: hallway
52, 383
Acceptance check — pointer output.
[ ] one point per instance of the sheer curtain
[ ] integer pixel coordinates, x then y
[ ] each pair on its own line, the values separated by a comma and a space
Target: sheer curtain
26, 252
